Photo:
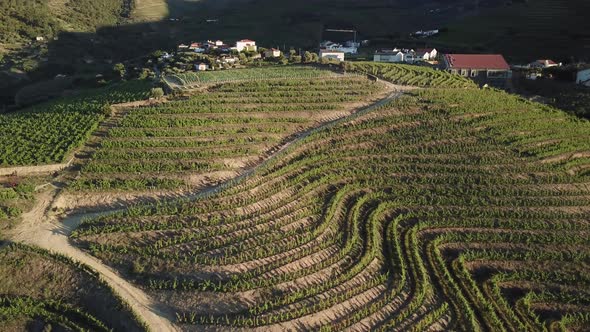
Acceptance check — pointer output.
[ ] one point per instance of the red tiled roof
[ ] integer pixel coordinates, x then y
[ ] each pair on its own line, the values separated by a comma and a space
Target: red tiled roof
476, 61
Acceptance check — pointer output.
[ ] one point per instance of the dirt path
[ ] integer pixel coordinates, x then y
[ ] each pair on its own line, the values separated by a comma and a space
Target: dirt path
41, 228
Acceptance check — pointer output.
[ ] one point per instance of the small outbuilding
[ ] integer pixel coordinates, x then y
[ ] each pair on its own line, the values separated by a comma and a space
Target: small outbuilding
201, 66
272, 53
330, 54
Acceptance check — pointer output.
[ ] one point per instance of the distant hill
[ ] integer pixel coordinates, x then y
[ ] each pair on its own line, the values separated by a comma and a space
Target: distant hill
23, 20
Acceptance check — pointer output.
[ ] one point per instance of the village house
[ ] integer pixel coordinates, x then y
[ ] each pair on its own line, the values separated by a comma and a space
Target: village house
246, 45
183, 48
583, 77
350, 47
426, 54
491, 69
543, 64
330, 54
213, 45
396, 55
197, 48
388, 56
201, 66
272, 53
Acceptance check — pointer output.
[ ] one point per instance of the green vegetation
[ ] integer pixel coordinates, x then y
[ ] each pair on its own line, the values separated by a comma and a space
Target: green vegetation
14, 196
193, 141
189, 79
27, 19
48, 132
411, 75
55, 293
450, 209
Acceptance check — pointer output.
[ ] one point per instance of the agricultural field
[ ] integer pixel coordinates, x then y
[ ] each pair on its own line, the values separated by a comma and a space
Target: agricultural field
192, 142
194, 79
444, 209
16, 196
45, 292
49, 132
411, 75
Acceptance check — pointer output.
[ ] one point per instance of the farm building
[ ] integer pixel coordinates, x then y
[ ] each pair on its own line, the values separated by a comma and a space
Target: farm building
272, 53
543, 64
583, 77
201, 66
489, 69
388, 56
330, 54
426, 54
246, 45
395, 55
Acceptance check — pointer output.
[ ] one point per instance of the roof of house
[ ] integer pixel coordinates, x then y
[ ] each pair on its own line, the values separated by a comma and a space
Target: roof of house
246, 41
476, 61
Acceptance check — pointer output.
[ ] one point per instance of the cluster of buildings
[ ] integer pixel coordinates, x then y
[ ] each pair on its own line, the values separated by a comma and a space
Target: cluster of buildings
405, 55
491, 69
244, 45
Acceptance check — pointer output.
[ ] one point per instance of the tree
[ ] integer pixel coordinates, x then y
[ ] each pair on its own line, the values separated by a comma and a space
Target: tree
307, 57
157, 93
119, 70
315, 57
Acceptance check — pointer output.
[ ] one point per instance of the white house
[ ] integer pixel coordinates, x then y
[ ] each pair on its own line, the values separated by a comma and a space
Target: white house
201, 66
183, 48
213, 44
330, 54
350, 47
396, 55
583, 77
272, 53
388, 56
246, 45
426, 54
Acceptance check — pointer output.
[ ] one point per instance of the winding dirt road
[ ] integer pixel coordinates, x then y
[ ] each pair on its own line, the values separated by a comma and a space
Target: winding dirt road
41, 228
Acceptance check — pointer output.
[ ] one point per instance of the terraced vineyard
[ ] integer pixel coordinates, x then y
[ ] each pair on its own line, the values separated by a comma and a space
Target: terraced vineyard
411, 75
446, 209
47, 133
214, 135
44, 292
192, 79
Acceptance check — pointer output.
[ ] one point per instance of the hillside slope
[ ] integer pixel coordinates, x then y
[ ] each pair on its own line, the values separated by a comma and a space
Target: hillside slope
26, 19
